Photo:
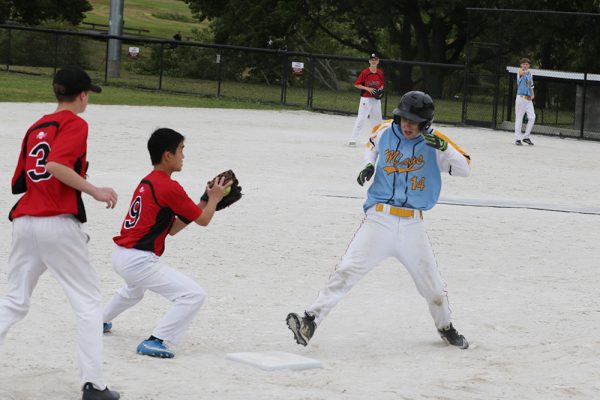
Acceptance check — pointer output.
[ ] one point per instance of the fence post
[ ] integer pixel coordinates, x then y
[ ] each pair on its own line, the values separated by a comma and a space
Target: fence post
284, 78
160, 77
509, 107
55, 51
463, 117
106, 64
310, 83
8, 51
219, 73
584, 95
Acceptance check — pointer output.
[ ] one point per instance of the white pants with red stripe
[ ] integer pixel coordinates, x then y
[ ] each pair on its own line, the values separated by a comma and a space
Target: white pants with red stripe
57, 244
380, 236
522, 107
143, 270
368, 108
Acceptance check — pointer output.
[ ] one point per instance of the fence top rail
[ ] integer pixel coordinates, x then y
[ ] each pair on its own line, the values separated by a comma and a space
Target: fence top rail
550, 12
561, 75
104, 37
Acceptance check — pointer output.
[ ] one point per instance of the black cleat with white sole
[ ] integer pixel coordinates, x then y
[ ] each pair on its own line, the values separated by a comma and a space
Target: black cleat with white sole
451, 336
302, 328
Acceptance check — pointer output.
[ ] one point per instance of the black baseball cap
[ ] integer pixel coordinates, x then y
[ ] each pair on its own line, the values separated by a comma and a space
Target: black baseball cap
373, 55
73, 80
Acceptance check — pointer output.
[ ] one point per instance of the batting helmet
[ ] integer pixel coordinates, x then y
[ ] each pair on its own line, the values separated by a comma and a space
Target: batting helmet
415, 106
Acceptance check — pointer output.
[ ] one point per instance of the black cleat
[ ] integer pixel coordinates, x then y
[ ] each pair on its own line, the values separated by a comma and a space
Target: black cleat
451, 336
302, 328
518, 143
91, 393
528, 141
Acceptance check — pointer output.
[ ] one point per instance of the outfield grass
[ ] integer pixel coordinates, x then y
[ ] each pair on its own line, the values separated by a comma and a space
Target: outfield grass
161, 17
17, 87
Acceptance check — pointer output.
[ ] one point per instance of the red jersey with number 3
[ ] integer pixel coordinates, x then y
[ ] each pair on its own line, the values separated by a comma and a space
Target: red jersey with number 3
62, 138
156, 202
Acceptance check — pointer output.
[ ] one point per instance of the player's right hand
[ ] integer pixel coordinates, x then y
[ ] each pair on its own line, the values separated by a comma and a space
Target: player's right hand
366, 174
217, 191
106, 195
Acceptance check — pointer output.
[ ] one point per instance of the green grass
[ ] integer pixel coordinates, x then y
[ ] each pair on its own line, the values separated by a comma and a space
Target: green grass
17, 87
161, 17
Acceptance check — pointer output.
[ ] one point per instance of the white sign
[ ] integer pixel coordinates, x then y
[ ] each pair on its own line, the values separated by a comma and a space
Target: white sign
297, 67
134, 52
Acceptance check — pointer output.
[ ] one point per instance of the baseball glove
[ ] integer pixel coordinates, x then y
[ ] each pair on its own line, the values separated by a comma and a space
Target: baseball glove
378, 94
234, 194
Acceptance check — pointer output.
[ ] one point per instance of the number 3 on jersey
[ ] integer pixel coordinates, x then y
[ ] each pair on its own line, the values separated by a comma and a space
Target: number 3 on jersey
39, 153
135, 210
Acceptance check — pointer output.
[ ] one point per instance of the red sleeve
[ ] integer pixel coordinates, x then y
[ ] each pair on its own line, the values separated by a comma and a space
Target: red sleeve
361, 78
182, 205
70, 143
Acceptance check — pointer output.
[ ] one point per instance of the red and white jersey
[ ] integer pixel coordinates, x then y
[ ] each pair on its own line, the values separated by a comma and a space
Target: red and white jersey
155, 203
62, 138
370, 79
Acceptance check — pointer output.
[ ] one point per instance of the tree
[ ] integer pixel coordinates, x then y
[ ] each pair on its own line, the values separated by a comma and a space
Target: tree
33, 12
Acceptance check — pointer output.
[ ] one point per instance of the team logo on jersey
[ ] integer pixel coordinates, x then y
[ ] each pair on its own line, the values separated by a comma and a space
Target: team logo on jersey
41, 135
400, 165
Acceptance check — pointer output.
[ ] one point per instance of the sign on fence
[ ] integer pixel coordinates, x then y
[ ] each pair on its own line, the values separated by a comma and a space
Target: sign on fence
133, 52
297, 68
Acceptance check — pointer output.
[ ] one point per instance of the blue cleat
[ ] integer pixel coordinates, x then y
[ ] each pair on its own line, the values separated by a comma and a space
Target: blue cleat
154, 348
107, 327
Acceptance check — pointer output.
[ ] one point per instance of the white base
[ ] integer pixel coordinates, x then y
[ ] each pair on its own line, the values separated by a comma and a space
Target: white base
274, 360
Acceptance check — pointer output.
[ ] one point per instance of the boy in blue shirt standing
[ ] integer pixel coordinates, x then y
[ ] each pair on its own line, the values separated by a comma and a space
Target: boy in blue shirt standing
524, 103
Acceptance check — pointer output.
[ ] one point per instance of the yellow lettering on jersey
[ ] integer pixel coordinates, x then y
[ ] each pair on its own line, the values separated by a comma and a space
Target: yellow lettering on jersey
418, 183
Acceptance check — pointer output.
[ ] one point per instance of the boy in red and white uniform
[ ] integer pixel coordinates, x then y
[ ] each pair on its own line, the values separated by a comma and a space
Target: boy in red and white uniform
160, 206
47, 224
369, 80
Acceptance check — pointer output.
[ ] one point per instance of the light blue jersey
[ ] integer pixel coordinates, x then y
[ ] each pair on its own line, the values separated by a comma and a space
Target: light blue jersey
408, 171
525, 84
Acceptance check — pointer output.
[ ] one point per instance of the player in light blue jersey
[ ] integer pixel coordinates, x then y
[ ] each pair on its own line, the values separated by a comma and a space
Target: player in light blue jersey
407, 158
524, 103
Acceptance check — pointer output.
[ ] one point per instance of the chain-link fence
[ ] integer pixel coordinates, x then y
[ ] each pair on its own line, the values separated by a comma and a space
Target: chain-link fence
561, 46
321, 82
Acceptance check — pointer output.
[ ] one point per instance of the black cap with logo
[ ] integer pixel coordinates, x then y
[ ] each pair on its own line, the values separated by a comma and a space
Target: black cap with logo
73, 80
373, 55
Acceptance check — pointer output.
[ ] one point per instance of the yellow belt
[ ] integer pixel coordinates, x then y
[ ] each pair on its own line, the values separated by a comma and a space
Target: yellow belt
399, 212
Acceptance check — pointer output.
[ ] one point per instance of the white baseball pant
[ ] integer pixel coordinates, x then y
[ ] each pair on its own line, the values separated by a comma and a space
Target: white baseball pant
59, 245
368, 108
522, 107
143, 270
380, 236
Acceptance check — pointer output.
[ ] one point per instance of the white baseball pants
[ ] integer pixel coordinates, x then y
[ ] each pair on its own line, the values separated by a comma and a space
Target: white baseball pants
368, 108
143, 270
57, 244
522, 107
380, 236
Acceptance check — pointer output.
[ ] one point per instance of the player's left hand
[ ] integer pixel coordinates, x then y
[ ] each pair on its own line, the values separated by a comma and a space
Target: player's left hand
434, 141
366, 174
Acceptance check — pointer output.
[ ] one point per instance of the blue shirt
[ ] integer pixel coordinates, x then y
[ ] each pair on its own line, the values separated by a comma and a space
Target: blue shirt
408, 171
525, 84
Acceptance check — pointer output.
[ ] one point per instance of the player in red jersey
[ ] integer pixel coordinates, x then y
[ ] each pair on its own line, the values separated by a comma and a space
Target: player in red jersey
47, 224
160, 206
370, 79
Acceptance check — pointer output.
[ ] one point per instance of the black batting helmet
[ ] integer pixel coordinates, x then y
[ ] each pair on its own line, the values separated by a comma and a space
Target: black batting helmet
415, 106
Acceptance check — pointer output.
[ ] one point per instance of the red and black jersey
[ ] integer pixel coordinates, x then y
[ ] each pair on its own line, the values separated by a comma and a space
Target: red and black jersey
155, 203
62, 138
370, 79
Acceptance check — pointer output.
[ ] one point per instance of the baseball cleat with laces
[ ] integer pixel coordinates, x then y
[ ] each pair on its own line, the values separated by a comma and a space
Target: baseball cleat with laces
451, 336
302, 328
